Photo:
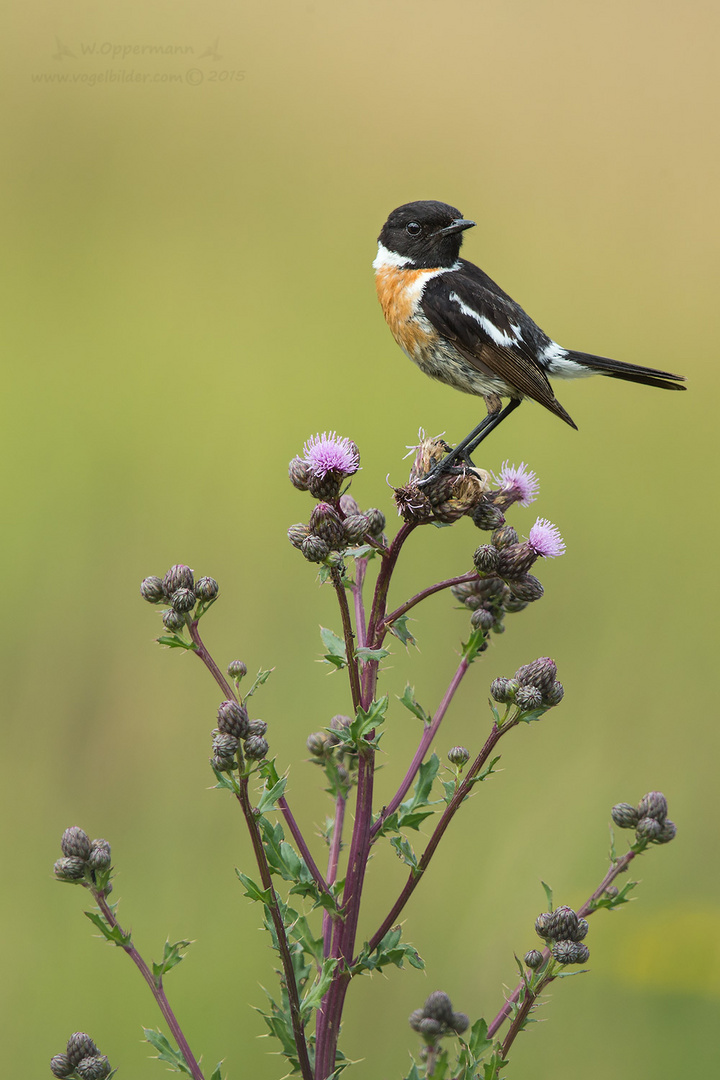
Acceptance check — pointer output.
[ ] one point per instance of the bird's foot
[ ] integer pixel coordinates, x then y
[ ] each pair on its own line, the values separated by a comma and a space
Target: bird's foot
452, 465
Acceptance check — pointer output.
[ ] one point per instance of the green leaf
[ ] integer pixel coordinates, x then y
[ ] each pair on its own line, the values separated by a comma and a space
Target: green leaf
404, 851
175, 642
270, 796
471, 649
217, 1074
371, 654
319, 988
166, 1052
225, 781
113, 934
253, 891
612, 902
260, 678
172, 955
479, 1042
399, 627
363, 723
391, 950
411, 704
548, 894
450, 787
336, 653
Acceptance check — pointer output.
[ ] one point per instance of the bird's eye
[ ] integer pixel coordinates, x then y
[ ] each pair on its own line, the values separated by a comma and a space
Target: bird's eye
414, 228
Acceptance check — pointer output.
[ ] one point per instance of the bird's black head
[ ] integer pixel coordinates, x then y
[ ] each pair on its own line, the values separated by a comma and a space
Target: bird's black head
426, 233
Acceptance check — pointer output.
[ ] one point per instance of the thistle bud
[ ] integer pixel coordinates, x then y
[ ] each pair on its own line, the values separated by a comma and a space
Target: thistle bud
668, 832
460, 1022
513, 605
648, 828
317, 744
79, 1046
75, 842
233, 719
504, 690
486, 559
515, 560
543, 924
625, 816
298, 533
299, 473
533, 959
459, 755
151, 589
326, 524
256, 747
354, 527
554, 695
60, 1066
612, 891
376, 521
237, 669
653, 805
256, 727
100, 855
570, 952
526, 588
583, 927
222, 764
224, 745
178, 577
439, 1007
528, 697
70, 868
540, 673
348, 505
183, 600
314, 549
93, 1068
487, 516
564, 926
207, 589
173, 621
482, 619
504, 537
325, 487
430, 1028
415, 1019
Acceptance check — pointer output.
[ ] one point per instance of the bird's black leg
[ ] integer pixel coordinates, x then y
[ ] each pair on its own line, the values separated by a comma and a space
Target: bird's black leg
470, 443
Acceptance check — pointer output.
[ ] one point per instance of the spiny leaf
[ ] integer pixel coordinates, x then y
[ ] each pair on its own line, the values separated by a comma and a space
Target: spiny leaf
172, 955
404, 851
271, 796
548, 894
399, 627
166, 1052
411, 704
175, 642
336, 653
471, 649
253, 891
371, 654
113, 934
260, 678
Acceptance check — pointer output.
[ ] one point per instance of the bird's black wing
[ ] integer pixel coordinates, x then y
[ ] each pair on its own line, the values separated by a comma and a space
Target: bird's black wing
491, 332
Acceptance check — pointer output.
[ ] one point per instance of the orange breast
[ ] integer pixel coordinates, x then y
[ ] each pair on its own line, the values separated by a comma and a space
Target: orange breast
399, 292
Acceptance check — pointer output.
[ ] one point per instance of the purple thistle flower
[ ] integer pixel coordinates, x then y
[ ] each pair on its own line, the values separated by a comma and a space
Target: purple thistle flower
330, 452
519, 481
545, 539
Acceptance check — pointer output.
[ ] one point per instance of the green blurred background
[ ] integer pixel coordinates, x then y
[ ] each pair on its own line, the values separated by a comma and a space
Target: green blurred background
188, 297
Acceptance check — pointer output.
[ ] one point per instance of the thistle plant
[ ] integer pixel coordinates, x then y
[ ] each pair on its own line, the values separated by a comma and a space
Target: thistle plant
311, 914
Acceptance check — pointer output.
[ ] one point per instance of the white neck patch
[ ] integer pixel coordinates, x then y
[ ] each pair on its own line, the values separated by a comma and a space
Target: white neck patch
386, 258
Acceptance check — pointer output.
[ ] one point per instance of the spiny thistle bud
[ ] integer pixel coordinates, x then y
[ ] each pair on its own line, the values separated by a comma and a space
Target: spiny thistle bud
317, 744
513, 605
487, 516
570, 952
173, 620
299, 473
416, 1018
324, 487
528, 697
151, 589
93, 1068
540, 673
178, 577
439, 1007
554, 695
564, 925
225, 746
326, 524
625, 816
60, 1066
236, 669
354, 527
515, 560
348, 505
648, 828
80, 1046
298, 533
100, 855
612, 891
486, 559
183, 600
256, 747
460, 1022
314, 549
483, 619
459, 755
233, 719
256, 727
668, 833
207, 589
75, 842
526, 588
376, 521
583, 927
504, 537
430, 1028
543, 924
504, 690
70, 868
653, 805
533, 959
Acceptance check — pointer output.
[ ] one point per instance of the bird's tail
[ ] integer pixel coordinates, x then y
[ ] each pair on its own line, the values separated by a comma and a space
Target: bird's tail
616, 369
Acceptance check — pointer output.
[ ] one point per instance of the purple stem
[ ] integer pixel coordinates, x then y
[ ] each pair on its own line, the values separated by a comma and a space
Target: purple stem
586, 910
427, 737
333, 860
472, 575
357, 590
156, 988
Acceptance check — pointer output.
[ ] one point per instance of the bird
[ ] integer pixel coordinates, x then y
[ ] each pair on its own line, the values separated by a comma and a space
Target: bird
460, 328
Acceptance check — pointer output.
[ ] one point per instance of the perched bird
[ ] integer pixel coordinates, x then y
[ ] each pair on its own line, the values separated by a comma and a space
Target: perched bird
458, 326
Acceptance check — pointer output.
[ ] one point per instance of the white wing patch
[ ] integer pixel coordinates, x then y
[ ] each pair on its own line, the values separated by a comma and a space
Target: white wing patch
500, 337
556, 361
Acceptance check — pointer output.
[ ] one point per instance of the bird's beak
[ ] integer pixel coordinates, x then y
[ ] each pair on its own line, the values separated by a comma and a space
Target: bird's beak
459, 225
